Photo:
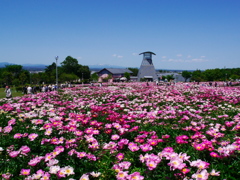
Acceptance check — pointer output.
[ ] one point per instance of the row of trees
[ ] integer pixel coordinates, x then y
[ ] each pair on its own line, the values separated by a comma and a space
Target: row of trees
201, 76
213, 75
69, 70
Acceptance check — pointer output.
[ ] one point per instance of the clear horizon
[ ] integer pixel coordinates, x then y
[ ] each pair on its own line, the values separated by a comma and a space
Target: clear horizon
186, 34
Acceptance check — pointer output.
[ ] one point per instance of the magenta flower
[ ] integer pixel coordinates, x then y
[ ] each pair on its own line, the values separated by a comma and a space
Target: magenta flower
81, 154
151, 164
25, 149
120, 156
185, 170
7, 129
146, 147
84, 177
133, 147
35, 161
6, 176
61, 173
199, 147
213, 154
176, 163
14, 154
135, 176
12, 122
17, 136
122, 175
124, 165
32, 136
203, 175
115, 137
25, 172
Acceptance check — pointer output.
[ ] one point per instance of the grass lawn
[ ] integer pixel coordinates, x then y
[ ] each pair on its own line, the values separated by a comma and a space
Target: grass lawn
14, 93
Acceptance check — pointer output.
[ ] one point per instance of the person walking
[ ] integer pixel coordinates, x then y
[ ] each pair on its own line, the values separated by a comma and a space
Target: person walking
29, 89
8, 92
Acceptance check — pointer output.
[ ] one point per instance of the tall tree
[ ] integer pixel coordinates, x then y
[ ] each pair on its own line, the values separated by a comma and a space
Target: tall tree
94, 76
83, 72
51, 68
70, 65
14, 69
186, 75
7, 77
197, 76
23, 77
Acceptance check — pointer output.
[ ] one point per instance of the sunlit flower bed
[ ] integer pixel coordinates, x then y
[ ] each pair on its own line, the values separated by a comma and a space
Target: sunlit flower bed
122, 131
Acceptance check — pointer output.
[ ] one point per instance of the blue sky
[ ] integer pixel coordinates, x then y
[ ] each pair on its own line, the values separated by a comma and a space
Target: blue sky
184, 34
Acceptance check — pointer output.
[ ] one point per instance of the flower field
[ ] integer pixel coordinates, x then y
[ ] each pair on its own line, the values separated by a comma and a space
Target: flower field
123, 131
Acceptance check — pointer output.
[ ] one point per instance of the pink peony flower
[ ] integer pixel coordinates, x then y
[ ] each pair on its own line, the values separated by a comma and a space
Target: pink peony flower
7, 129
122, 175
25, 172
25, 149
135, 176
203, 175
17, 136
84, 177
133, 147
32, 136
14, 154
120, 156
115, 137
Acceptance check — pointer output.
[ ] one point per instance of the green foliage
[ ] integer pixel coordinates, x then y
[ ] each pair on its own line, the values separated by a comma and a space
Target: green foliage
186, 75
197, 76
70, 66
94, 76
170, 77
216, 75
68, 77
134, 70
127, 75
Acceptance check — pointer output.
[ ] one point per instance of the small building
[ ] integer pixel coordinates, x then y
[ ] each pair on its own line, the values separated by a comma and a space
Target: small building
112, 74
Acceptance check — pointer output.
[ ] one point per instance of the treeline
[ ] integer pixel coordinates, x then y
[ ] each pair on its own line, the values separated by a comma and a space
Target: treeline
213, 75
68, 71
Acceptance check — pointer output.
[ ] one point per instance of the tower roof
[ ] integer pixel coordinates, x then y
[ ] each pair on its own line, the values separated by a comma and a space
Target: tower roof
147, 52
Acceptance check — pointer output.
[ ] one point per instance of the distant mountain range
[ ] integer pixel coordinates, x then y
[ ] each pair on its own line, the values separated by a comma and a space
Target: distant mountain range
41, 67
97, 67
29, 67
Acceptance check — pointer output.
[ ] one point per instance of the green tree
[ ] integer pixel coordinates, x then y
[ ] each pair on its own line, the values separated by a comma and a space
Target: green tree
23, 77
134, 70
70, 65
197, 76
83, 72
36, 79
127, 75
43, 78
16, 82
68, 77
186, 75
209, 75
94, 76
51, 68
170, 77
14, 69
7, 77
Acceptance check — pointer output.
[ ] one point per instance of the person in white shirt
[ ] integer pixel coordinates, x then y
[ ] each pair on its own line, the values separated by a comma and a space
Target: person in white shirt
8, 92
29, 90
